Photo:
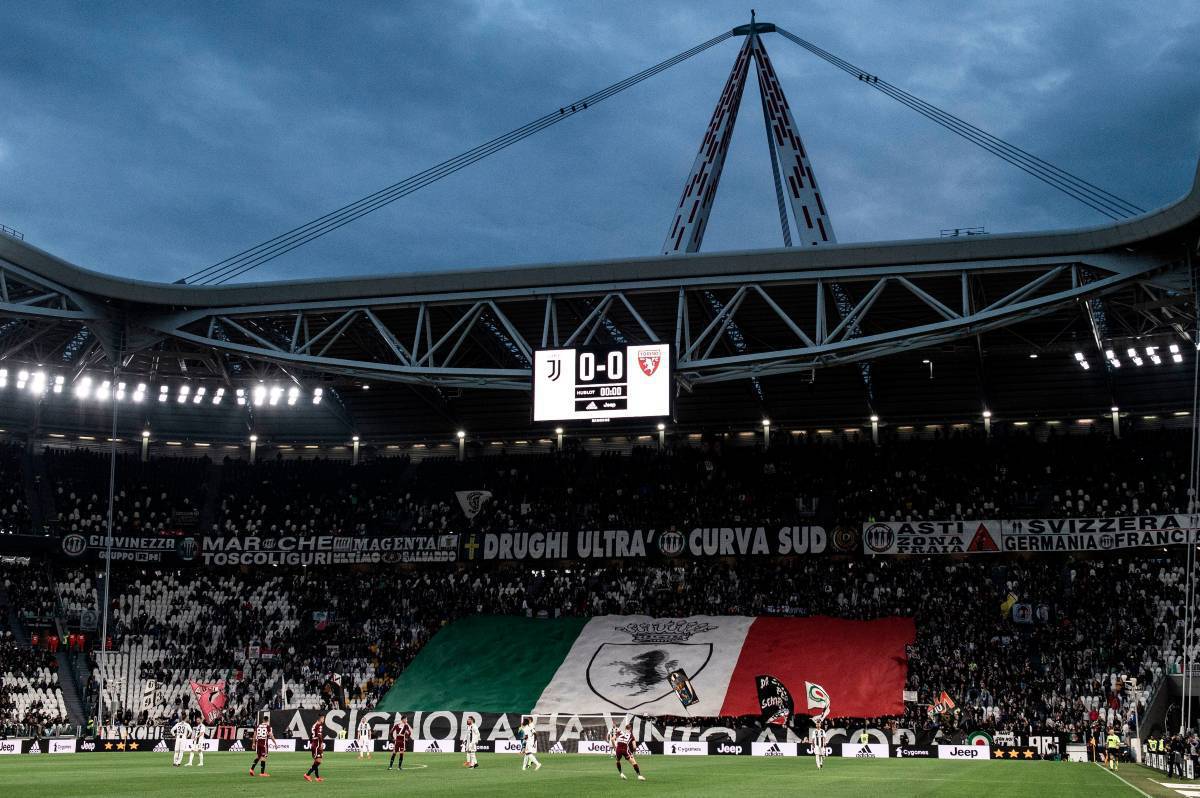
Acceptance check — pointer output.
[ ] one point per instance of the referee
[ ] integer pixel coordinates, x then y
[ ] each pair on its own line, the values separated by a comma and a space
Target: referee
1112, 744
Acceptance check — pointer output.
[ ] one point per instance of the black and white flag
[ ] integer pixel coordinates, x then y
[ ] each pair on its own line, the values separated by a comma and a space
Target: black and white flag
472, 501
774, 699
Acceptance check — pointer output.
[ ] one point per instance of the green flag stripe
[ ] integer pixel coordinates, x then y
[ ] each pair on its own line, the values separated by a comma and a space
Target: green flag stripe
484, 664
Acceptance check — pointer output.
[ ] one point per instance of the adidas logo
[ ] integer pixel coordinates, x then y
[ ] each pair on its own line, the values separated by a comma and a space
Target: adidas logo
643, 749
434, 748
161, 748
35, 748
237, 746
557, 748
773, 750
865, 753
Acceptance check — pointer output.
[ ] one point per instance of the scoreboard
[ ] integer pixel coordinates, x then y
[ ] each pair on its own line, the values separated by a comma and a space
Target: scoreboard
602, 383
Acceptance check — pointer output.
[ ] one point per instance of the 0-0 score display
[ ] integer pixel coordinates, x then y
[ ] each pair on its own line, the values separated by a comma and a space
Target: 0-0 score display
601, 383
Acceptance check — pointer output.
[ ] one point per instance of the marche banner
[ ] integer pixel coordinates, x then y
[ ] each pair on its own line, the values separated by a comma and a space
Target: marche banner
327, 549
620, 663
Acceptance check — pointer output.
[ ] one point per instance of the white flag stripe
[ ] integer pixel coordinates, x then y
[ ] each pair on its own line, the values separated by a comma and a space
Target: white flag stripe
619, 663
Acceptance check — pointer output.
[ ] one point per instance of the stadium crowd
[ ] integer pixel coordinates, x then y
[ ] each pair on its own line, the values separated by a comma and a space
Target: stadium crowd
14, 511
158, 497
696, 483
278, 635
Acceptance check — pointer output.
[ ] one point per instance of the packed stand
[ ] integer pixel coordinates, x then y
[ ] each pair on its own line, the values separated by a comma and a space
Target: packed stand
312, 497
31, 701
160, 497
14, 511
278, 637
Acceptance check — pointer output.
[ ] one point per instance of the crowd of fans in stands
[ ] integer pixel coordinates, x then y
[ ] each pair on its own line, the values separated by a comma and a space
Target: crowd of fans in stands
158, 497
703, 483
1055, 674
1067, 668
14, 511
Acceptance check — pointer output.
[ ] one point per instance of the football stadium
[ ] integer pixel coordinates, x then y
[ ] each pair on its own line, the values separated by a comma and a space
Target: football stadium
826, 517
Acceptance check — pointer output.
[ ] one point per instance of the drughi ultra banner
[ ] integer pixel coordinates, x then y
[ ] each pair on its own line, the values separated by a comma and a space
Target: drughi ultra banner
716, 541
1032, 534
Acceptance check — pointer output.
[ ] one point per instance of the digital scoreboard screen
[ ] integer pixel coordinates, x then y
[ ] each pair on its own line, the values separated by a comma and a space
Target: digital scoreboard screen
602, 383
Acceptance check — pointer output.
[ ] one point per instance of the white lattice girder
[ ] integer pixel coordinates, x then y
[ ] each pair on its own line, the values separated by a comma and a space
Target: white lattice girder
695, 204
799, 182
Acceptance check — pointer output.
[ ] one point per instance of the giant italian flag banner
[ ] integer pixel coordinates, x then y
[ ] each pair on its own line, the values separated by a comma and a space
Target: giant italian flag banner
617, 663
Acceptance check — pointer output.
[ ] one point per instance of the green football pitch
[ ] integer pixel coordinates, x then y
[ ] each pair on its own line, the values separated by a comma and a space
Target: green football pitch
575, 776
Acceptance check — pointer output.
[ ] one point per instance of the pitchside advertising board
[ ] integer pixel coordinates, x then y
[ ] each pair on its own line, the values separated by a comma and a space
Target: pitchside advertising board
602, 383
1029, 535
509, 745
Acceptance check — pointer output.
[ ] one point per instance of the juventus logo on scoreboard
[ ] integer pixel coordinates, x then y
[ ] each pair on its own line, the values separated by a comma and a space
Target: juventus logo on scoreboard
602, 383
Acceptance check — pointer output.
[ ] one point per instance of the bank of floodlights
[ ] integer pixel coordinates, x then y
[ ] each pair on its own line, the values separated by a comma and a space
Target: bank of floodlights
39, 382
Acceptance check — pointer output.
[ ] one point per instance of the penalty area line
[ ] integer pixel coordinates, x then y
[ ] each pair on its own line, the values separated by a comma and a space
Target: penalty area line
1127, 783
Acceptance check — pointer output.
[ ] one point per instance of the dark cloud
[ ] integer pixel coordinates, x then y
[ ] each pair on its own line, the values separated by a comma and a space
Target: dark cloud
151, 142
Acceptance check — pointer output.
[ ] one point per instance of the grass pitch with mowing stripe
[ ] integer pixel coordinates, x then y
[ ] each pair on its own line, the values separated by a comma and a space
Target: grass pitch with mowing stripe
578, 776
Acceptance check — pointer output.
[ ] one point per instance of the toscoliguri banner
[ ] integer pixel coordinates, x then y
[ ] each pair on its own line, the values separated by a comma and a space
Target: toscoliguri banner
619, 663
1029, 535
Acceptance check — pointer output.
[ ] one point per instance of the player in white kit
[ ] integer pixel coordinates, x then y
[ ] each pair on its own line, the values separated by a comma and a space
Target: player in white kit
528, 745
199, 734
818, 744
365, 744
470, 740
183, 732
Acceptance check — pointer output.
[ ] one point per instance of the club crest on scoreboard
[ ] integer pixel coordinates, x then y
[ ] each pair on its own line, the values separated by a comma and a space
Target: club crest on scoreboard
648, 360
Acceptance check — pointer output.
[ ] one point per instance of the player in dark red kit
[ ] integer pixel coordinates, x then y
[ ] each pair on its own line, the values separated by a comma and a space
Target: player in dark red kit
316, 744
262, 734
401, 733
624, 746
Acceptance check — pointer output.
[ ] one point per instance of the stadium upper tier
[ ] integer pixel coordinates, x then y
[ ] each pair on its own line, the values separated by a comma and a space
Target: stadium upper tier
1060, 322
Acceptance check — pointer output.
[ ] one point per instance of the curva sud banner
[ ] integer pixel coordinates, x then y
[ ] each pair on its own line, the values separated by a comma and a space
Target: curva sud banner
327, 550
605, 544
1028, 535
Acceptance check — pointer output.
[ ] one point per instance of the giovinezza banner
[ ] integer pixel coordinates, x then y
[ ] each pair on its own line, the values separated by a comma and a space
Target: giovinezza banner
327, 550
1034, 534
171, 549
719, 541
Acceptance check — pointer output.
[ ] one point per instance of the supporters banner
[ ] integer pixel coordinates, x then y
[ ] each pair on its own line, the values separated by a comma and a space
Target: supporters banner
626, 544
615, 663
1099, 534
932, 537
1029, 535
327, 550
170, 549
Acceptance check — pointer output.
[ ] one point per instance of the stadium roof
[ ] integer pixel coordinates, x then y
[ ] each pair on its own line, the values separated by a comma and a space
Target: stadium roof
937, 330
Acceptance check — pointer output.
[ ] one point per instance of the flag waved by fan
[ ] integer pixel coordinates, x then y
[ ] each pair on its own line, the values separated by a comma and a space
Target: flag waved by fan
817, 699
210, 697
943, 705
774, 699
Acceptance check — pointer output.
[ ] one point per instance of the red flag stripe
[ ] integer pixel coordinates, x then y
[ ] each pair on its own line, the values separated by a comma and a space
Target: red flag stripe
861, 664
